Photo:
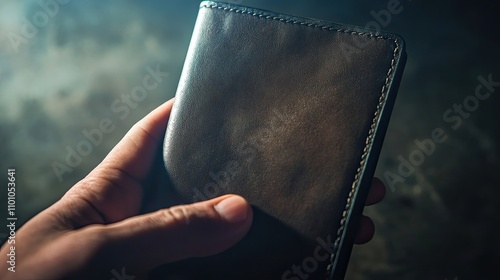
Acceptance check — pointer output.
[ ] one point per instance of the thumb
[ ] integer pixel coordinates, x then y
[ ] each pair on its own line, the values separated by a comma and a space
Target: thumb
180, 232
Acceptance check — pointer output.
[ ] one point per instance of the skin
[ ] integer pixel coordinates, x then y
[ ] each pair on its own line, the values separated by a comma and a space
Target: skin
97, 226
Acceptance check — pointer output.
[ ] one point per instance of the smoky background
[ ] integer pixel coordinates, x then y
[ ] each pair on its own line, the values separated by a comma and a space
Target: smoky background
439, 222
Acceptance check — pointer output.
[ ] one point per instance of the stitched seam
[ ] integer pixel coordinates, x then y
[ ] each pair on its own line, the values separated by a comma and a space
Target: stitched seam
297, 22
368, 142
376, 117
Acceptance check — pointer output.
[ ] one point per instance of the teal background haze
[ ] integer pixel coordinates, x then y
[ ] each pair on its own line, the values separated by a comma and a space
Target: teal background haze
439, 222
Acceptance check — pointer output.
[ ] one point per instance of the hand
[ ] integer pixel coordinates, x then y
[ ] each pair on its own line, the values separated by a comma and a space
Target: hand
367, 228
96, 227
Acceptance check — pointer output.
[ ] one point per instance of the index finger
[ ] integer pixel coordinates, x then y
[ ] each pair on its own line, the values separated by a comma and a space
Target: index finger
113, 190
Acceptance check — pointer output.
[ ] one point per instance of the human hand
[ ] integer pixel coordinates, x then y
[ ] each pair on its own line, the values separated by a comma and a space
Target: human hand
97, 226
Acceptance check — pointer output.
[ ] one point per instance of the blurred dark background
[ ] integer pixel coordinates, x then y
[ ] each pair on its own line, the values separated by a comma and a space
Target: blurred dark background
440, 217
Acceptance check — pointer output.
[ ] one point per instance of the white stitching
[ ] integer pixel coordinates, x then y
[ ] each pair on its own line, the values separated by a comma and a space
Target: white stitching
309, 24
368, 142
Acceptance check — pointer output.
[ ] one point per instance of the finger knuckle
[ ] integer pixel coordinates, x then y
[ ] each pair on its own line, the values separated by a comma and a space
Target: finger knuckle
178, 215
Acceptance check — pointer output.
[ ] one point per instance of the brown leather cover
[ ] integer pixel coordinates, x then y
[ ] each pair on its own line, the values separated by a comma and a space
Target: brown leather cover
290, 113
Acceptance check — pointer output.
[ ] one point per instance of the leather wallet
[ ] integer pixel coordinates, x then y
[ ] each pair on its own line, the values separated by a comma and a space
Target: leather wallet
289, 113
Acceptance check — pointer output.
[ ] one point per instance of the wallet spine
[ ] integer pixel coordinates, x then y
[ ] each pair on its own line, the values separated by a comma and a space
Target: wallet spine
366, 170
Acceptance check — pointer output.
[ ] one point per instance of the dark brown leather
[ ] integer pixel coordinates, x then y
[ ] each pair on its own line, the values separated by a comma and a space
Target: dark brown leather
290, 113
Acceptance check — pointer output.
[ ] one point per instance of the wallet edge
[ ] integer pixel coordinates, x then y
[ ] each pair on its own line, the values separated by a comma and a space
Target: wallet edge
304, 21
344, 238
367, 168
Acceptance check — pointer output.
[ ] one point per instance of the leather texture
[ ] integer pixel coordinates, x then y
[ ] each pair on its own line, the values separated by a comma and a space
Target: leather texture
290, 113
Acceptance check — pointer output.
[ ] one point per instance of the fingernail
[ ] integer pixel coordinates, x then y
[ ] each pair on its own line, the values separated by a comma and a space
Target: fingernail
233, 209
